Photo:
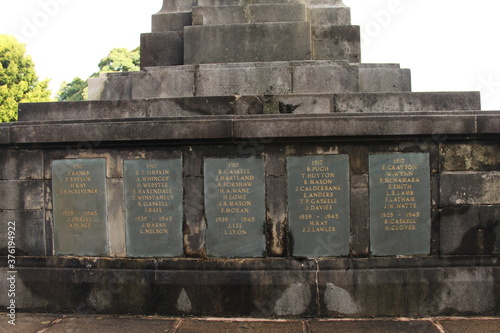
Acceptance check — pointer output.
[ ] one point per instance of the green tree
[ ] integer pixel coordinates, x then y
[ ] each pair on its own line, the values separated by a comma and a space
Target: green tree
18, 80
73, 91
121, 60
118, 60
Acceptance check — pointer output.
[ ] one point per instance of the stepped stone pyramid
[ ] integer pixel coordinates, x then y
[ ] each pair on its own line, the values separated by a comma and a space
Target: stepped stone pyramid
279, 55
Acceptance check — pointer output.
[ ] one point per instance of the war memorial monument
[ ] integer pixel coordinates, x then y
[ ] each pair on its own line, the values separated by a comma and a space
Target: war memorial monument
254, 167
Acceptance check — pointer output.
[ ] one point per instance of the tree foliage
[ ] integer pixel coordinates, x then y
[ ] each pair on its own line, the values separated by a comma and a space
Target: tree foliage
118, 60
73, 91
121, 60
18, 80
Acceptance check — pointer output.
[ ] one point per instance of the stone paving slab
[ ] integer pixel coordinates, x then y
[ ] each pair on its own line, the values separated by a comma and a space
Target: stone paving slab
471, 325
57, 323
373, 326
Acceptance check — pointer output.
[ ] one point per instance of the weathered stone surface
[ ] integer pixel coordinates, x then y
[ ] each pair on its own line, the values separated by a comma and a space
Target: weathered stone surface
332, 42
112, 324
92, 110
217, 326
171, 82
276, 216
21, 165
162, 49
336, 125
21, 194
29, 228
470, 230
116, 218
249, 13
5, 133
285, 288
432, 290
384, 80
203, 43
470, 188
489, 325
470, 156
247, 79
163, 22
486, 124
329, 15
302, 104
375, 326
172, 6
401, 101
195, 224
360, 230
324, 77
110, 87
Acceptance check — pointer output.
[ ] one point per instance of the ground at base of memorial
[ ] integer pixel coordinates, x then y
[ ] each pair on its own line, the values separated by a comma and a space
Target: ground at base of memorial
49, 323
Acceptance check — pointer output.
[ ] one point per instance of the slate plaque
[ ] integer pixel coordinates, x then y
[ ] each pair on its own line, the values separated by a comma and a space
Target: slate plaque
80, 214
400, 222
235, 207
318, 205
153, 208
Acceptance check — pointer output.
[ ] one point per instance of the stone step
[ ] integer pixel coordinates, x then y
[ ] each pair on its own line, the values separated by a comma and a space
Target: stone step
163, 22
205, 3
341, 42
162, 49
275, 78
328, 15
274, 12
246, 105
172, 6
283, 41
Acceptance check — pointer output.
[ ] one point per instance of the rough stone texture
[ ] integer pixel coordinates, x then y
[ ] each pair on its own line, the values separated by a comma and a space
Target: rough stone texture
276, 225
470, 230
250, 13
112, 324
470, 188
172, 6
22, 165
360, 230
162, 49
163, 22
374, 326
470, 156
432, 290
226, 326
336, 43
194, 218
92, 110
29, 232
259, 288
251, 80
401, 101
21, 194
203, 44
110, 87
489, 325
324, 77
116, 225
327, 15
384, 80
163, 84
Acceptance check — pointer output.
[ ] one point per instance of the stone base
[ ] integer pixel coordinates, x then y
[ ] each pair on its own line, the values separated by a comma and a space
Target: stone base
260, 288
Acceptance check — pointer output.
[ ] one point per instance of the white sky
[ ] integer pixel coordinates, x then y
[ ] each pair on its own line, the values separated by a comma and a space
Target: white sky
450, 45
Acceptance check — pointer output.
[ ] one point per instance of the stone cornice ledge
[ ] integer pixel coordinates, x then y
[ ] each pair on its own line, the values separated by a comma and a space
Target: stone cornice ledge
254, 126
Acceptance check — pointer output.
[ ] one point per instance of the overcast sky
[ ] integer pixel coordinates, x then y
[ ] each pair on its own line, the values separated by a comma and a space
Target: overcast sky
450, 45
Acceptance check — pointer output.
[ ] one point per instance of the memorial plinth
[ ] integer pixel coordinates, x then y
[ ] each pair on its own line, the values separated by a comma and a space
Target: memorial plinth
255, 167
